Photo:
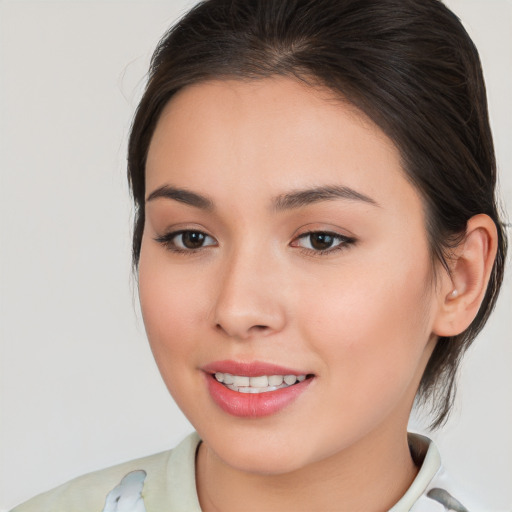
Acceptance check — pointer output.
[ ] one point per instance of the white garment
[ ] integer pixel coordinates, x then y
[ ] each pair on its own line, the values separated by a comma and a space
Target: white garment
166, 482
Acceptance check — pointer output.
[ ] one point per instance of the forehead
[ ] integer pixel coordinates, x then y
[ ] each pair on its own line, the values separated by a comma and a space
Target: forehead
269, 135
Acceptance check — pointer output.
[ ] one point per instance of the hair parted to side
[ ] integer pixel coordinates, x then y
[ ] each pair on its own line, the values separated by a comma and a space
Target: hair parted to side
409, 65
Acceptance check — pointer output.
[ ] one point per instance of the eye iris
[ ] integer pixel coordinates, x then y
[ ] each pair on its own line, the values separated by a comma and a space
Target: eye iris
192, 239
321, 241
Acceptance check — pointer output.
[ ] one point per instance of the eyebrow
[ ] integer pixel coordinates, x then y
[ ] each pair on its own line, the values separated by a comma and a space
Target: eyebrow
288, 201
306, 197
182, 196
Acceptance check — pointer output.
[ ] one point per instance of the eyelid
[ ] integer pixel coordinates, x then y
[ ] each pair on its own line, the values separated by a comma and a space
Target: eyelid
345, 242
167, 240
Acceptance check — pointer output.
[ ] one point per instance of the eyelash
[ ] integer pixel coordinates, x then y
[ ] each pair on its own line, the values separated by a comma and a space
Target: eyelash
168, 241
344, 243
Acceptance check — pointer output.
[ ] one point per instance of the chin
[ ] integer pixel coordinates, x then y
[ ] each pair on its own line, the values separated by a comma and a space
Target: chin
264, 456
262, 465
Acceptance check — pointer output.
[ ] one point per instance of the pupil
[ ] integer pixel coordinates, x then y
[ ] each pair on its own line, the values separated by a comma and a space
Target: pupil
321, 241
192, 239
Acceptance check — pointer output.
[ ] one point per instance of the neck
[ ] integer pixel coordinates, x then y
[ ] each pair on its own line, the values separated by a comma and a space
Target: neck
371, 475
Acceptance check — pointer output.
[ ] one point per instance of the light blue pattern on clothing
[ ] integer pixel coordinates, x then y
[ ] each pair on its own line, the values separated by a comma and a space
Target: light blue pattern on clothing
127, 496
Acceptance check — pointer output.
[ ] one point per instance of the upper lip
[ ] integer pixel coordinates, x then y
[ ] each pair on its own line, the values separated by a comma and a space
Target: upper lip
250, 369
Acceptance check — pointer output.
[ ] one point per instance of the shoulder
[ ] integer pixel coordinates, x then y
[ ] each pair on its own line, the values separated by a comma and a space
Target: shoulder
146, 483
89, 492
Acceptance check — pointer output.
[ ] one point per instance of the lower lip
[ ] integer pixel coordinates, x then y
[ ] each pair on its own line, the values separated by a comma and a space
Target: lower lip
254, 405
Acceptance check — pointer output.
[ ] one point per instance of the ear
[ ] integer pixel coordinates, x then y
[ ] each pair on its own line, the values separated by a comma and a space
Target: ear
461, 292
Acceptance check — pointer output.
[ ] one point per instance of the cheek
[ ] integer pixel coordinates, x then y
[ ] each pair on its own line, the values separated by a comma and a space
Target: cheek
172, 302
372, 325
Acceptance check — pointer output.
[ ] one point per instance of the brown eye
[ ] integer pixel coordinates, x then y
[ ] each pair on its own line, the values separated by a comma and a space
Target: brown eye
321, 241
192, 239
186, 241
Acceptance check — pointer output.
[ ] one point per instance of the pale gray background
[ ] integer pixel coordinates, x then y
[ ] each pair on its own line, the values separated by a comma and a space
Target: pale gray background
79, 388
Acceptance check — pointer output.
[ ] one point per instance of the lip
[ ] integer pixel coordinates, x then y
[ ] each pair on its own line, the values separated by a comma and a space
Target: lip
250, 369
249, 405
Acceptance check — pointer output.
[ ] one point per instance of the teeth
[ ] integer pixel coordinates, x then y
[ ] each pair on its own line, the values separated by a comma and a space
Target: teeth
259, 390
275, 380
248, 389
290, 379
228, 378
259, 384
240, 381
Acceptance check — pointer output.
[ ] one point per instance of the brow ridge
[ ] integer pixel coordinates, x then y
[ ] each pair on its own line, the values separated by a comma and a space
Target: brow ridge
301, 198
183, 196
288, 201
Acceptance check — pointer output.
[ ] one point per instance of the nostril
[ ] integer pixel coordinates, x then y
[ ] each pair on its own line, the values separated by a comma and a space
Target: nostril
254, 328
259, 329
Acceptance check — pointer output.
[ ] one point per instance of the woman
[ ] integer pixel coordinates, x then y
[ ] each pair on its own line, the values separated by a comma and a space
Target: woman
317, 244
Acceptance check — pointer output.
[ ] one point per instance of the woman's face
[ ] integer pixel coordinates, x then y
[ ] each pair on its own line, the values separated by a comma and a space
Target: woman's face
282, 238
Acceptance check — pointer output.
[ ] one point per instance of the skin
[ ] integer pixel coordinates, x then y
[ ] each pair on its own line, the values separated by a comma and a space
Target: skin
363, 319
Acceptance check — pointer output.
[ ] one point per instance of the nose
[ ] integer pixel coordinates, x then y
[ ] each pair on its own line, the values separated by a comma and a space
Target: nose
250, 301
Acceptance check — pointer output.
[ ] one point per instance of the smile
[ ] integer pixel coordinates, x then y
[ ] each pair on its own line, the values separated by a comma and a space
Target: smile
259, 384
254, 389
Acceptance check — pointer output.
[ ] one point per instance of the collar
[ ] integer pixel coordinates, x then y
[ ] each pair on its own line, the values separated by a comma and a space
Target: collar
426, 455
182, 479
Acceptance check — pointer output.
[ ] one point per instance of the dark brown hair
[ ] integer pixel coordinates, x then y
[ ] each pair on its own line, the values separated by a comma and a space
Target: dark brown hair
409, 65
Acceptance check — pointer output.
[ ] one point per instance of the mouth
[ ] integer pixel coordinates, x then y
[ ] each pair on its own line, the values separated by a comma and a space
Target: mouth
260, 383
254, 389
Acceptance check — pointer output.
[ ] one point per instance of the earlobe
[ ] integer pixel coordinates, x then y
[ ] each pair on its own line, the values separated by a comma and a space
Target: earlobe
462, 291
